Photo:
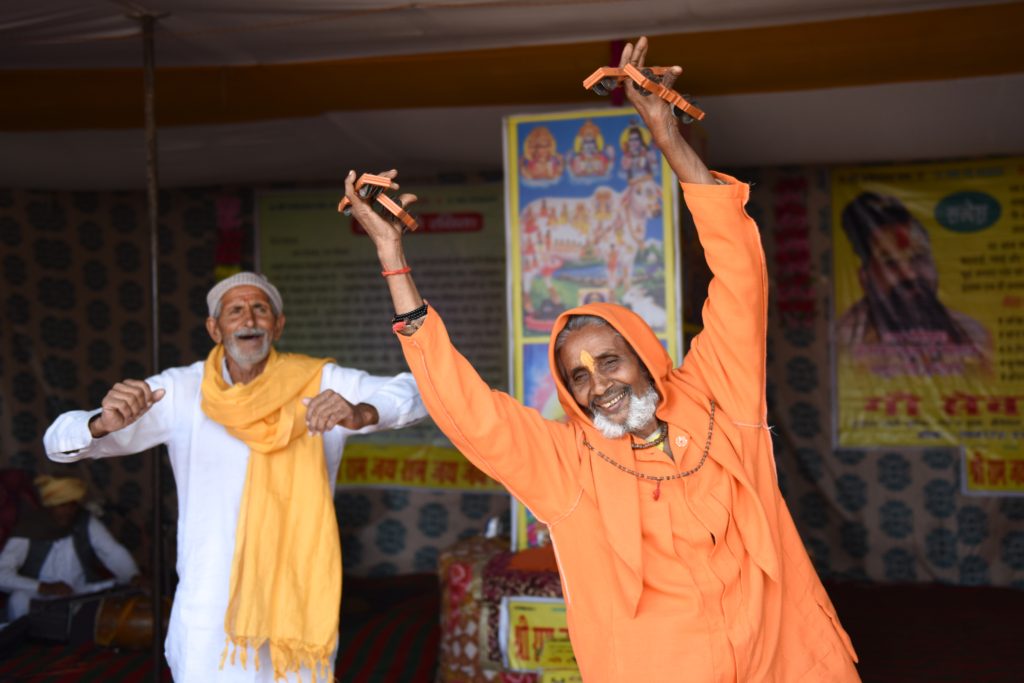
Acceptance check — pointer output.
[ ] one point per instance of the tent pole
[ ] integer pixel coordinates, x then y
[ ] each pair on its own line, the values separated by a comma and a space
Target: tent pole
148, 22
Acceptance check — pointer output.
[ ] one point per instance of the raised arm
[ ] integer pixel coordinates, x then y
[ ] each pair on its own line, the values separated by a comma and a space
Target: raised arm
533, 457
727, 359
664, 126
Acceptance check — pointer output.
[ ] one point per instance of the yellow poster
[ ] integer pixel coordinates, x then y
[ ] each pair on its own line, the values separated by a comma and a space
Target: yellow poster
928, 337
534, 636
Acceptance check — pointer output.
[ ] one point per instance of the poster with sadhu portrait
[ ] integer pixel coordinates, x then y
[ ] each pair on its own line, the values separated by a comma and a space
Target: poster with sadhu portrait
928, 338
591, 216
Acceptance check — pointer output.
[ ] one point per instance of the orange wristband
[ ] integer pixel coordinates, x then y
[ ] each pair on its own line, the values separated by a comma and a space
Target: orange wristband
400, 271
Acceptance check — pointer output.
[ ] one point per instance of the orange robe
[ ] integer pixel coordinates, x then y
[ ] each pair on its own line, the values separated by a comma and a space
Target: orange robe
710, 583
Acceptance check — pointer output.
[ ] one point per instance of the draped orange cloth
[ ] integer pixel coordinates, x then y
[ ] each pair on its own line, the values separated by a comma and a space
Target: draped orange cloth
708, 583
286, 573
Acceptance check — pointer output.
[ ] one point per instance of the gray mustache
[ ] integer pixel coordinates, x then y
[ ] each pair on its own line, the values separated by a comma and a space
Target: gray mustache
251, 332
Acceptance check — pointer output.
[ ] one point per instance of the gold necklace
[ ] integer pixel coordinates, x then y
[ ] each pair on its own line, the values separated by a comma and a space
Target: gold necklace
668, 477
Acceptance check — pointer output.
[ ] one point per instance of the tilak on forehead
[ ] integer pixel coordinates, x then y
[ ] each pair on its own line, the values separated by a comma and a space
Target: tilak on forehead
902, 235
587, 360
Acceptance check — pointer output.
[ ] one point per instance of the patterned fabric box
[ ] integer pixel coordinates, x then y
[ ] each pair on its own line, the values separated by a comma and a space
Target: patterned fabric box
474, 576
500, 580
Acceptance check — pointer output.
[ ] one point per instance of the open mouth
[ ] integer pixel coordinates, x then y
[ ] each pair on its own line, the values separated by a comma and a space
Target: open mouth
250, 335
615, 401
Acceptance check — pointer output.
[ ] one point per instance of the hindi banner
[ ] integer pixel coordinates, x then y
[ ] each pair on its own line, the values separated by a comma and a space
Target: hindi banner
369, 465
591, 215
929, 306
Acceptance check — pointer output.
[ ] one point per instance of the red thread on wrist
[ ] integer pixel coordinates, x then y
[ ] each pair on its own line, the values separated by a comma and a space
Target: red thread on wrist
399, 326
400, 271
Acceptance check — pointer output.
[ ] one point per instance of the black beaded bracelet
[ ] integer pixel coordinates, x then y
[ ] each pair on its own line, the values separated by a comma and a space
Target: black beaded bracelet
411, 315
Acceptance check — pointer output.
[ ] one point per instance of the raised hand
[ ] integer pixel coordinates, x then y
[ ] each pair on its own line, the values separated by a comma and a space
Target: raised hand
329, 409
387, 237
656, 112
383, 231
125, 403
659, 119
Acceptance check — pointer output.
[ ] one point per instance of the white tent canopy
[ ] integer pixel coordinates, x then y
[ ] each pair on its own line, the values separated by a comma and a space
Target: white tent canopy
95, 33
929, 119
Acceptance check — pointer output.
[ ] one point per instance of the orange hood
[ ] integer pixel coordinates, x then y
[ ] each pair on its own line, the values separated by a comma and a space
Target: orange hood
637, 333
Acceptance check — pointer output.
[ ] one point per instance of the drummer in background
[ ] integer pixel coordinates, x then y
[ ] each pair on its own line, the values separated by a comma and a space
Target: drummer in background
64, 551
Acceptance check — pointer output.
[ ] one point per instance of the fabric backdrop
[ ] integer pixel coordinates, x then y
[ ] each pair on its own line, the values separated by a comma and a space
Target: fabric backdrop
74, 319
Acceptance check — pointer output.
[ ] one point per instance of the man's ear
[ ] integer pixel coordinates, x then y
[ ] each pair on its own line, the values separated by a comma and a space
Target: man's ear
278, 327
213, 330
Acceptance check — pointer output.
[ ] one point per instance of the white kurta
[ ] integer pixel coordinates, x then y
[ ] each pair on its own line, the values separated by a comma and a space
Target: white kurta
210, 470
61, 565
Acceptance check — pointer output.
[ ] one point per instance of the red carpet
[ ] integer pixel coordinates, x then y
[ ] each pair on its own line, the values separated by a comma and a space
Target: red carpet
389, 634
39, 662
933, 633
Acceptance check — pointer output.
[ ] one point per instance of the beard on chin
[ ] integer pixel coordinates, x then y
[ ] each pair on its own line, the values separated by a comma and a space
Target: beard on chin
641, 412
911, 306
247, 358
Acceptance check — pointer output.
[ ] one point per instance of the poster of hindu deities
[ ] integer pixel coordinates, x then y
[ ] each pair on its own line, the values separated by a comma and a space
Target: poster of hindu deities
929, 308
591, 215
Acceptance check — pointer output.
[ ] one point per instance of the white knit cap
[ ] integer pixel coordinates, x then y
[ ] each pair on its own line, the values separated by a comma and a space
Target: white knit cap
257, 280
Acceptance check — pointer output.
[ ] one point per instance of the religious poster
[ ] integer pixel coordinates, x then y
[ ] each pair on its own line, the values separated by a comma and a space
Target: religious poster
592, 215
929, 311
534, 636
337, 305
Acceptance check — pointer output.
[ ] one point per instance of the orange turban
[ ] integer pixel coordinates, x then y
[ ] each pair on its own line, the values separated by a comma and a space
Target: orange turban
55, 491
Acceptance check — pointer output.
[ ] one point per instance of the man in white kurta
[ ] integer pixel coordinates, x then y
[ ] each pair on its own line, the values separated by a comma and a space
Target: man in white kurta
210, 473
62, 572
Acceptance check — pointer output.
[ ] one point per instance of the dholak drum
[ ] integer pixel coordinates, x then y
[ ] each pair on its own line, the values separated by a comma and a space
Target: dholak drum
126, 621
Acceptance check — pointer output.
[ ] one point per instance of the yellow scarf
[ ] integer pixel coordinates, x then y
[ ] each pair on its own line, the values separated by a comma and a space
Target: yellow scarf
286, 573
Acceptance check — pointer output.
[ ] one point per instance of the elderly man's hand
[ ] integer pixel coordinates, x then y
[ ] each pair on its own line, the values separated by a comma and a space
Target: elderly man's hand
384, 231
125, 403
330, 409
656, 112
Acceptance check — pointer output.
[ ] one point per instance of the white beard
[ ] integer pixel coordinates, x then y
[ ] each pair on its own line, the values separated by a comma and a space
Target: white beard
641, 412
247, 360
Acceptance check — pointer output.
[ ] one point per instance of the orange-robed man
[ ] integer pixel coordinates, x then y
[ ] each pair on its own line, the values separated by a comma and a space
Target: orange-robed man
678, 557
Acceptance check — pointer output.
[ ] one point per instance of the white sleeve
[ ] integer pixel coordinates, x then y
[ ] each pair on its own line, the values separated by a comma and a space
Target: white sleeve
112, 554
11, 559
68, 439
396, 399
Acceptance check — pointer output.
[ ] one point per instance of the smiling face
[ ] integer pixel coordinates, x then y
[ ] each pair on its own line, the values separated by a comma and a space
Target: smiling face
246, 325
607, 379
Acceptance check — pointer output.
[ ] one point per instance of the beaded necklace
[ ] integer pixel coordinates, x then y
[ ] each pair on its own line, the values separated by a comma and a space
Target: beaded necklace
652, 443
668, 477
